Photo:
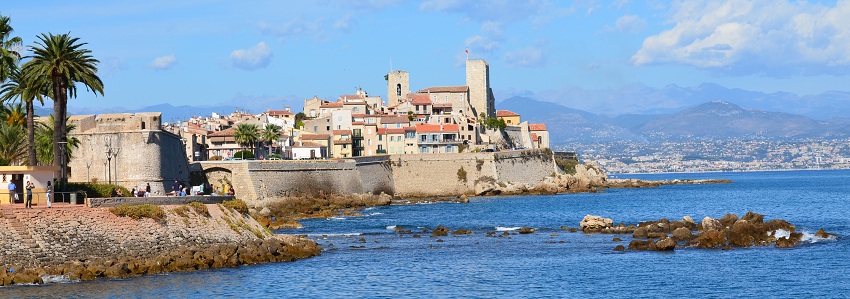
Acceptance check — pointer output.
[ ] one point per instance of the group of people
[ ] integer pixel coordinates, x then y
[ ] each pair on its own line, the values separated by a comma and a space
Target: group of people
136, 192
13, 194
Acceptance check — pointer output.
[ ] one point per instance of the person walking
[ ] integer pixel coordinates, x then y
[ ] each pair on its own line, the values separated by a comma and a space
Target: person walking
28, 203
13, 195
49, 191
148, 190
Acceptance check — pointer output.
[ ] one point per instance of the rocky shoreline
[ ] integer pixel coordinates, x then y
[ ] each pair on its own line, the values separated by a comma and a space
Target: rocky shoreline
725, 233
186, 258
74, 243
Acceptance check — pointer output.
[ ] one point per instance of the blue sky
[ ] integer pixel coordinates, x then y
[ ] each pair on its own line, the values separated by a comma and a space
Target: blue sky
275, 53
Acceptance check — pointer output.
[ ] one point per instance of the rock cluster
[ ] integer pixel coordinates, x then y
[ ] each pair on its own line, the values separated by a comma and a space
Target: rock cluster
725, 233
185, 258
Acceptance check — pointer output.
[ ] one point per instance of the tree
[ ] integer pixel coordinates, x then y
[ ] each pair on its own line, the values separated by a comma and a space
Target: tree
271, 133
18, 90
8, 55
44, 142
13, 144
61, 60
299, 120
246, 134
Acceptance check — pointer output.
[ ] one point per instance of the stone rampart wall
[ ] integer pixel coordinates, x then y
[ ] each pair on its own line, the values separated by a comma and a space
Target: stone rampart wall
526, 167
155, 200
376, 174
43, 237
400, 175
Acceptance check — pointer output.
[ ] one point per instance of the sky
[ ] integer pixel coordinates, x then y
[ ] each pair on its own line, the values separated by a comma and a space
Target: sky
271, 54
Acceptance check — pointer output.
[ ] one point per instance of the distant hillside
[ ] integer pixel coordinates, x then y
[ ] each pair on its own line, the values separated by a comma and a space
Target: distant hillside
169, 113
715, 119
721, 119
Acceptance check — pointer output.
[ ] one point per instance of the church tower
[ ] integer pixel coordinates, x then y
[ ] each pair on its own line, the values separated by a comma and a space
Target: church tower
398, 86
480, 95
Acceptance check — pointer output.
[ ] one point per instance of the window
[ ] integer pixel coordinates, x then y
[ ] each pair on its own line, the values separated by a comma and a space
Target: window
423, 138
398, 89
344, 146
380, 138
369, 142
315, 128
327, 128
410, 135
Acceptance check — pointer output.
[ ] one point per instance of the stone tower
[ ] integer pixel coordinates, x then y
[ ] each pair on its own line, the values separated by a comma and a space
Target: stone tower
398, 86
480, 95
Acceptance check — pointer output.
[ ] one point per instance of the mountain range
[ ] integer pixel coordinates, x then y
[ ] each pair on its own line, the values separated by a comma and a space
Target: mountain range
714, 119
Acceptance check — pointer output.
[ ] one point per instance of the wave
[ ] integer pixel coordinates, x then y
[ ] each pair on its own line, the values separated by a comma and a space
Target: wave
336, 218
808, 237
57, 279
335, 235
391, 227
374, 214
504, 229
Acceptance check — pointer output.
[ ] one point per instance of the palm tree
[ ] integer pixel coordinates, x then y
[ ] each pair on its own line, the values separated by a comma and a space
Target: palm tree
246, 134
44, 142
13, 145
8, 56
271, 133
17, 89
62, 60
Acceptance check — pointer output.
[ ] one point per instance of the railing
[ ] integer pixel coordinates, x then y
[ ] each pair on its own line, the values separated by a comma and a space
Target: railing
74, 197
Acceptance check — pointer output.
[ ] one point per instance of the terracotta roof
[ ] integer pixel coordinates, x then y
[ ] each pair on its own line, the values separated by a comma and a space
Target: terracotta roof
225, 133
332, 105
396, 130
315, 137
501, 113
357, 123
350, 97
279, 113
426, 128
420, 99
342, 141
341, 132
436, 89
537, 127
308, 144
394, 119
382, 131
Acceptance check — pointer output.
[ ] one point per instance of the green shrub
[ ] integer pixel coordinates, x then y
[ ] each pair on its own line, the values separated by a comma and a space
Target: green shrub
200, 208
139, 211
243, 155
461, 174
567, 165
237, 205
97, 190
181, 211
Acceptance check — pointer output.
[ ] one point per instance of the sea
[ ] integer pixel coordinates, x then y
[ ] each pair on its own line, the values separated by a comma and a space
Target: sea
364, 257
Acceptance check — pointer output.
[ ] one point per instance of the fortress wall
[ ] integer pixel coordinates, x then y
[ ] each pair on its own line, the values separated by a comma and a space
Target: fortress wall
417, 175
376, 174
437, 174
528, 167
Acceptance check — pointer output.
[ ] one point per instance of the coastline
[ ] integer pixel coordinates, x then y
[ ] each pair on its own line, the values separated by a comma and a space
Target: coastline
81, 243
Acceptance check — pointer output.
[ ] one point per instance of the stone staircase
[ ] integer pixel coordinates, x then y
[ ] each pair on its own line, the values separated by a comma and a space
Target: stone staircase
35, 252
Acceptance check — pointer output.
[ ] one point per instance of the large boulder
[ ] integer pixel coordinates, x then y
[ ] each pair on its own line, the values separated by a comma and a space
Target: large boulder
666, 244
683, 234
592, 223
728, 219
709, 223
753, 218
709, 239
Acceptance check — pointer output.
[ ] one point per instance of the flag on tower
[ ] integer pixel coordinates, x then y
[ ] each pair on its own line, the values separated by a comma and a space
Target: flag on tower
467, 53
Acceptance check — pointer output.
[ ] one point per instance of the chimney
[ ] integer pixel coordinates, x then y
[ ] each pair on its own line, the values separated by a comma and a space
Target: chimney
287, 109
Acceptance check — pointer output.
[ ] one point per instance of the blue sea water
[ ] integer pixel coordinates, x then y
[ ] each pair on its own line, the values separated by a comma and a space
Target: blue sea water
365, 258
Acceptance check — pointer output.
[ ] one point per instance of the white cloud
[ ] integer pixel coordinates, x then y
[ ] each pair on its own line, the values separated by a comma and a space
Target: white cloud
296, 27
767, 37
251, 59
163, 62
628, 23
526, 57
